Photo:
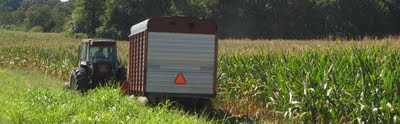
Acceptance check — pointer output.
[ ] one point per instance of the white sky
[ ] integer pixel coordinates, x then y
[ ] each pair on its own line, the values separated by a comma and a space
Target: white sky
63, 0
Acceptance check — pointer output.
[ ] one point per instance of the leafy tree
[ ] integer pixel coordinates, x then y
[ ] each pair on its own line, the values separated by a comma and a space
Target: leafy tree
38, 15
194, 8
59, 16
235, 18
393, 8
120, 15
6, 9
85, 17
10, 5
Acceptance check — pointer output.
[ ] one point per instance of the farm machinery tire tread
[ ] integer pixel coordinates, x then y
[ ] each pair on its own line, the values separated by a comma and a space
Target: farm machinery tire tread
121, 74
82, 80
205, 105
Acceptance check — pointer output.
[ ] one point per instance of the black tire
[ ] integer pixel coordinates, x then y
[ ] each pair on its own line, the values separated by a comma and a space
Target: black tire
82, 80
205, 105
121, 74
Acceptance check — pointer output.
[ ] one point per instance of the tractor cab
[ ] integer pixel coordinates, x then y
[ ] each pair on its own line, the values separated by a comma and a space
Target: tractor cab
98, 64
99, 55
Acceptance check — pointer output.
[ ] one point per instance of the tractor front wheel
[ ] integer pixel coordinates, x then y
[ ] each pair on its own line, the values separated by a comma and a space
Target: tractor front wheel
72, 82
80, 81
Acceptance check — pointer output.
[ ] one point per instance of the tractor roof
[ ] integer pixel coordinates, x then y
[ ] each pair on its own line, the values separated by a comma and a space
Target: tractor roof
97, 40
101, 42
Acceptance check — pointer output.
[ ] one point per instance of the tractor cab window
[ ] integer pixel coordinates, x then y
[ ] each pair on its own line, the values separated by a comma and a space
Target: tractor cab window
82, 52
103, 53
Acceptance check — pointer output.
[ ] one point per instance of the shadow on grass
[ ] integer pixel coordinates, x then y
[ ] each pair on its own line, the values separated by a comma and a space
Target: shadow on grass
213, 114
227, 117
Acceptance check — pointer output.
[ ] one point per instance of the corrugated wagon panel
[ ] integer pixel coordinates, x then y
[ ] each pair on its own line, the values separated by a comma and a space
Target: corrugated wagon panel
174, 57
137, 64
195, 79
169, 54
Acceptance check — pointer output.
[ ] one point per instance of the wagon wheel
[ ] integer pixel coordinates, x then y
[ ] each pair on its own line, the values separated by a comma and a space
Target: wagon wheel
205, 105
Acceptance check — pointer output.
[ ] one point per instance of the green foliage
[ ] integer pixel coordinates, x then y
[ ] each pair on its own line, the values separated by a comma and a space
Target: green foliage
113, 21
6, 9
116, 12
51, 15
36, 29
38, 16
10, 5
304, 18
337, 85
235, 18
48, 53
85, 17
50, 61
260, 18
194, 8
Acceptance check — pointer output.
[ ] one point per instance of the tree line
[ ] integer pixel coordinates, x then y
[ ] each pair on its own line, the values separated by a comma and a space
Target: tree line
235, 18
35, 15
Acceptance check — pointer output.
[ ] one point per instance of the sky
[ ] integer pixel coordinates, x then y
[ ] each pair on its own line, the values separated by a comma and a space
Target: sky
63, 0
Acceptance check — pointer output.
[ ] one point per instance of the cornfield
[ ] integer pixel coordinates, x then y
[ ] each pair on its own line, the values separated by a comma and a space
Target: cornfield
339, 82
355, 84
50, 61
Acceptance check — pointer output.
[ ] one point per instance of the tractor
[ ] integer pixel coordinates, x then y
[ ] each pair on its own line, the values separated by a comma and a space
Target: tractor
98, 64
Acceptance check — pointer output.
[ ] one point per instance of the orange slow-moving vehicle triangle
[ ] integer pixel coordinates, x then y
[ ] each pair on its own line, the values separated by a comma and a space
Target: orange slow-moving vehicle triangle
180, 79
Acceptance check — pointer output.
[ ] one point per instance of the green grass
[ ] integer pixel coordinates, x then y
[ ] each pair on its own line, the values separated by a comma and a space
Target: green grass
29, 97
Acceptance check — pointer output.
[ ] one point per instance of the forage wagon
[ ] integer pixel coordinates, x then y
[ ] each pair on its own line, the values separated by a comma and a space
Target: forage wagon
174, 58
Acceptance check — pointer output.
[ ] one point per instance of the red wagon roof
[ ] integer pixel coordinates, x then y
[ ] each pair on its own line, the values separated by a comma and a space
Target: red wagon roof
176, 24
